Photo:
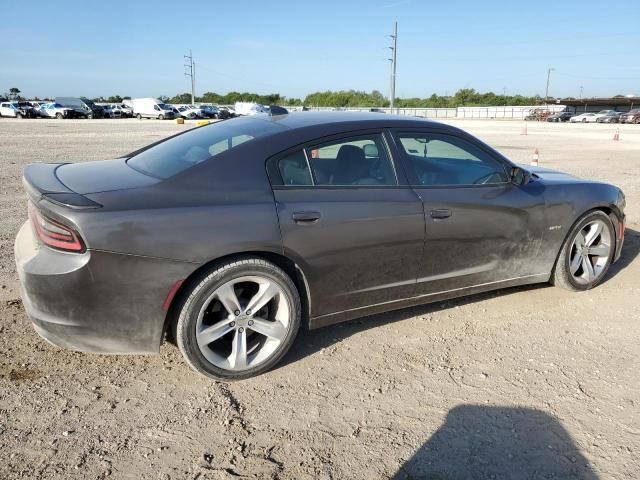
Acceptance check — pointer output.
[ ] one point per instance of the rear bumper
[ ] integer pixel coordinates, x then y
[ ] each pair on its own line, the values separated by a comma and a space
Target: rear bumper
99, 302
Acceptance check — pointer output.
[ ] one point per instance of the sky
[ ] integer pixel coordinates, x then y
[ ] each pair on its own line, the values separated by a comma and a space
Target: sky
136, 48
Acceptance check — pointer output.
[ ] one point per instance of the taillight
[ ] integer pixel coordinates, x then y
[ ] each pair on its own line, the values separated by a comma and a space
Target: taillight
54, 234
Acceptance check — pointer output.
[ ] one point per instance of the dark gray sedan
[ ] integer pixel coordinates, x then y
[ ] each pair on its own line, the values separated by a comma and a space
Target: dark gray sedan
233, 235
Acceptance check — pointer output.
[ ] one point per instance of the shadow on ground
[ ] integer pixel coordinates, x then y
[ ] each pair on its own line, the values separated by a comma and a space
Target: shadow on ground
630, 251
310, 342
480, 442
313, 341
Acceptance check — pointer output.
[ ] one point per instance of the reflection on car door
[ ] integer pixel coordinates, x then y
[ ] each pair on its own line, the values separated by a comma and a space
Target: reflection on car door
480, 228
350, 221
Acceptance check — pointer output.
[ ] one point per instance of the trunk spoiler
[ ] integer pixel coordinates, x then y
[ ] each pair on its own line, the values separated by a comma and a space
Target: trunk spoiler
40, 181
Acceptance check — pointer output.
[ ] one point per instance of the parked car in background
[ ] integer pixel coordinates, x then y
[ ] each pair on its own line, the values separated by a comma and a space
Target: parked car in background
188, 112
29, 110
251, 109
37, 108
584, 118
277, 110
609, 117
17, 110
560, 117
55, 110
603, 113
82, 105
209, 111
125, 111
111, 112
632, 116
224, 113
152, 108
538, 114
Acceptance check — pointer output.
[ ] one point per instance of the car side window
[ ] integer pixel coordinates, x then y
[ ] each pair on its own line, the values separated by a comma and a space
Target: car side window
294, 169
439, 159
361, 160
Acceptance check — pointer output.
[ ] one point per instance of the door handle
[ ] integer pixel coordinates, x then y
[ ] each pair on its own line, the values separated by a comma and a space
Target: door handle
305, 217
440, 213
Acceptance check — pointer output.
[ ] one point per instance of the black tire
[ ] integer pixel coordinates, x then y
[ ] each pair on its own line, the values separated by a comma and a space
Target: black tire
139, 117
160, 117
19, 115
561, 275
198, 294
59, 116
584, 120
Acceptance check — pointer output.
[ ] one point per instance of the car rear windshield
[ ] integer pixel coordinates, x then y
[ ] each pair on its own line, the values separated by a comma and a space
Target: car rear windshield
184, 151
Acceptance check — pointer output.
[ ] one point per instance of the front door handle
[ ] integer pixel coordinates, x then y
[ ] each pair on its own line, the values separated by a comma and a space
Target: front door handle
305, 217
440, 213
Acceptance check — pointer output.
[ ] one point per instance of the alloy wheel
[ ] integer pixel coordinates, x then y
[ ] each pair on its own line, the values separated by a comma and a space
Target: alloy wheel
590, 252
243, 322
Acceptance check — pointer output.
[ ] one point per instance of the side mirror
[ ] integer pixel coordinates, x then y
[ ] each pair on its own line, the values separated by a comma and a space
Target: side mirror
520, 176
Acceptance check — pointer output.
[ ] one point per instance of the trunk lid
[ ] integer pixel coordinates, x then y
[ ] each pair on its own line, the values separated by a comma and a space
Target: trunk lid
67, 184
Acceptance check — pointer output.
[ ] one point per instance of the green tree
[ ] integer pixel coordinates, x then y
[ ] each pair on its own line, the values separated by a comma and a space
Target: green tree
14, 94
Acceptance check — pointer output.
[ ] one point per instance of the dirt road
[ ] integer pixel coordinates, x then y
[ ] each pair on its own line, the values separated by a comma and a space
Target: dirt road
521, 383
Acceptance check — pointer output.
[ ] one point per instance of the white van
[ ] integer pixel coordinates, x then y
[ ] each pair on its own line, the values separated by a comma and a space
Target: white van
151, 108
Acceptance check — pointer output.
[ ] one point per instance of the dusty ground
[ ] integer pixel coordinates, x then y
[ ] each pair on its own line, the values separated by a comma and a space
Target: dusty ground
524, 383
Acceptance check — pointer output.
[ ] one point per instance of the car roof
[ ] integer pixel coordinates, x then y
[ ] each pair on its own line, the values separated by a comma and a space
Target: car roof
295, 120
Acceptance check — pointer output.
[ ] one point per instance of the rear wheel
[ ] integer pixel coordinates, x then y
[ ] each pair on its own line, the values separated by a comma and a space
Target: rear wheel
19, 115
139, 117
239, 320
586, 253
59, 116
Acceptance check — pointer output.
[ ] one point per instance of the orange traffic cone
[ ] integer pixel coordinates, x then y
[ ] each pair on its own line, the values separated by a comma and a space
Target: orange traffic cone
616, 136
524, 130
534, 158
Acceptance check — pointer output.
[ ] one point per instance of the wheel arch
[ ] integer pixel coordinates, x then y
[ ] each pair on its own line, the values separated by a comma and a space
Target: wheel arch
290, 267
610, 210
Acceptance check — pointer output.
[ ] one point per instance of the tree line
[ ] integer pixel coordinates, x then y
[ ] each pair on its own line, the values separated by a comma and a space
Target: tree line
358, 98
341, 99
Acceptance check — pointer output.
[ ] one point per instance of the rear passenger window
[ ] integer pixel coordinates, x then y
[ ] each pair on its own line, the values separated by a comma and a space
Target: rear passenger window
294, 170
361, 160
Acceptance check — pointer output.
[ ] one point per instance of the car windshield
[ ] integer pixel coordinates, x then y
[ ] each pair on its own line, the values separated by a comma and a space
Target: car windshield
164, 106
57, 105
184, 151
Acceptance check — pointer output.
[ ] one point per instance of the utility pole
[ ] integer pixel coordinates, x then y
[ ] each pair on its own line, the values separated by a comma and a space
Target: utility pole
546, 92
191, 72
394, 49
581, 89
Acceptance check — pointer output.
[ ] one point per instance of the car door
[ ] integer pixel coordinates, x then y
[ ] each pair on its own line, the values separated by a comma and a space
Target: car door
480, 227
349, 219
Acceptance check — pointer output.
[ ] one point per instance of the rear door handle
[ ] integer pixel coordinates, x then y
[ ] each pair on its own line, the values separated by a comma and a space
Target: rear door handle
305, 217
440, 213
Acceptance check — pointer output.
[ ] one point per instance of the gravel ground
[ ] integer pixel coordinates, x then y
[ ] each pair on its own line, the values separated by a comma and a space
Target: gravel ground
523, 383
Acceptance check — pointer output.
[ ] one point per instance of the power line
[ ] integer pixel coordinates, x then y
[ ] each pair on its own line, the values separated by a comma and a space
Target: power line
191, 72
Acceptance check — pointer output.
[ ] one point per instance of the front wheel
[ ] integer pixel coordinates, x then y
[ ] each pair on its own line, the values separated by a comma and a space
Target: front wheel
239, 320
59, 116
586, 254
